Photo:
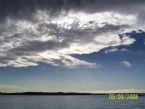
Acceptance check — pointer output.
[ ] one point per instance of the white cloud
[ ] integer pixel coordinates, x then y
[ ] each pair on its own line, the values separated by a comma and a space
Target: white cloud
111, 50
127, 64
55, 40
114, 50
117, 91
126, 91
123, 49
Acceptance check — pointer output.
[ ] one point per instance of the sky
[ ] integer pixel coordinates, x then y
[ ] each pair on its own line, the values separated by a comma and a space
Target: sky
72, 45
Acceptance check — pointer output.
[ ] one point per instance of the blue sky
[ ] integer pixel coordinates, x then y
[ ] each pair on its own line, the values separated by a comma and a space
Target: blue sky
88, 46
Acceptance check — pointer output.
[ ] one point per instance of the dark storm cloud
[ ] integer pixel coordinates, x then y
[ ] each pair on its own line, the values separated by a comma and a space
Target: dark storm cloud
25, 8
50, 31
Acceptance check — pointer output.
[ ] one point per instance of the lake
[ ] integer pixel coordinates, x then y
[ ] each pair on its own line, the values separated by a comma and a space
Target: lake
68, 102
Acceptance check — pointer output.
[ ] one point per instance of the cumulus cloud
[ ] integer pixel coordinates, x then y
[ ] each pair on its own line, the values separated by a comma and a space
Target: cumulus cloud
27, 39
127, 64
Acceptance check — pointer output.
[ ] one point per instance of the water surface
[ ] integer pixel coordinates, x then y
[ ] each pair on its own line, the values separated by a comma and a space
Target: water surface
67, 102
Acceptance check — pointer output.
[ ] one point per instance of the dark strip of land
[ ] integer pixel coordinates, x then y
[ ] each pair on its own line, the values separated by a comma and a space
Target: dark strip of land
62, 93
49, 93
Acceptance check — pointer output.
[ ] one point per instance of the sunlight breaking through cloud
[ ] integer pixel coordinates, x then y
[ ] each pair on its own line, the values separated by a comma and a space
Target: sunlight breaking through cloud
54, 40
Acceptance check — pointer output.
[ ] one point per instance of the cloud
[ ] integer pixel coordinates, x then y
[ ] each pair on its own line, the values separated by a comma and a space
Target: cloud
127, 64
126, 91
118, 91
112, 50
11, 88
24, 8
30, 34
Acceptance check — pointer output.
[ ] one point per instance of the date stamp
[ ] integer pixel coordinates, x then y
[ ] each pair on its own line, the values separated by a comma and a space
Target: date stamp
123, 96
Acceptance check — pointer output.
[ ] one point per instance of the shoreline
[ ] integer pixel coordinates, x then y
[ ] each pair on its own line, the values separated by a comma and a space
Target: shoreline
63, 93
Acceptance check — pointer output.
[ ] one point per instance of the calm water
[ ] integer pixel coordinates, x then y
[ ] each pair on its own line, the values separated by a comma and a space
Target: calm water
68, 102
